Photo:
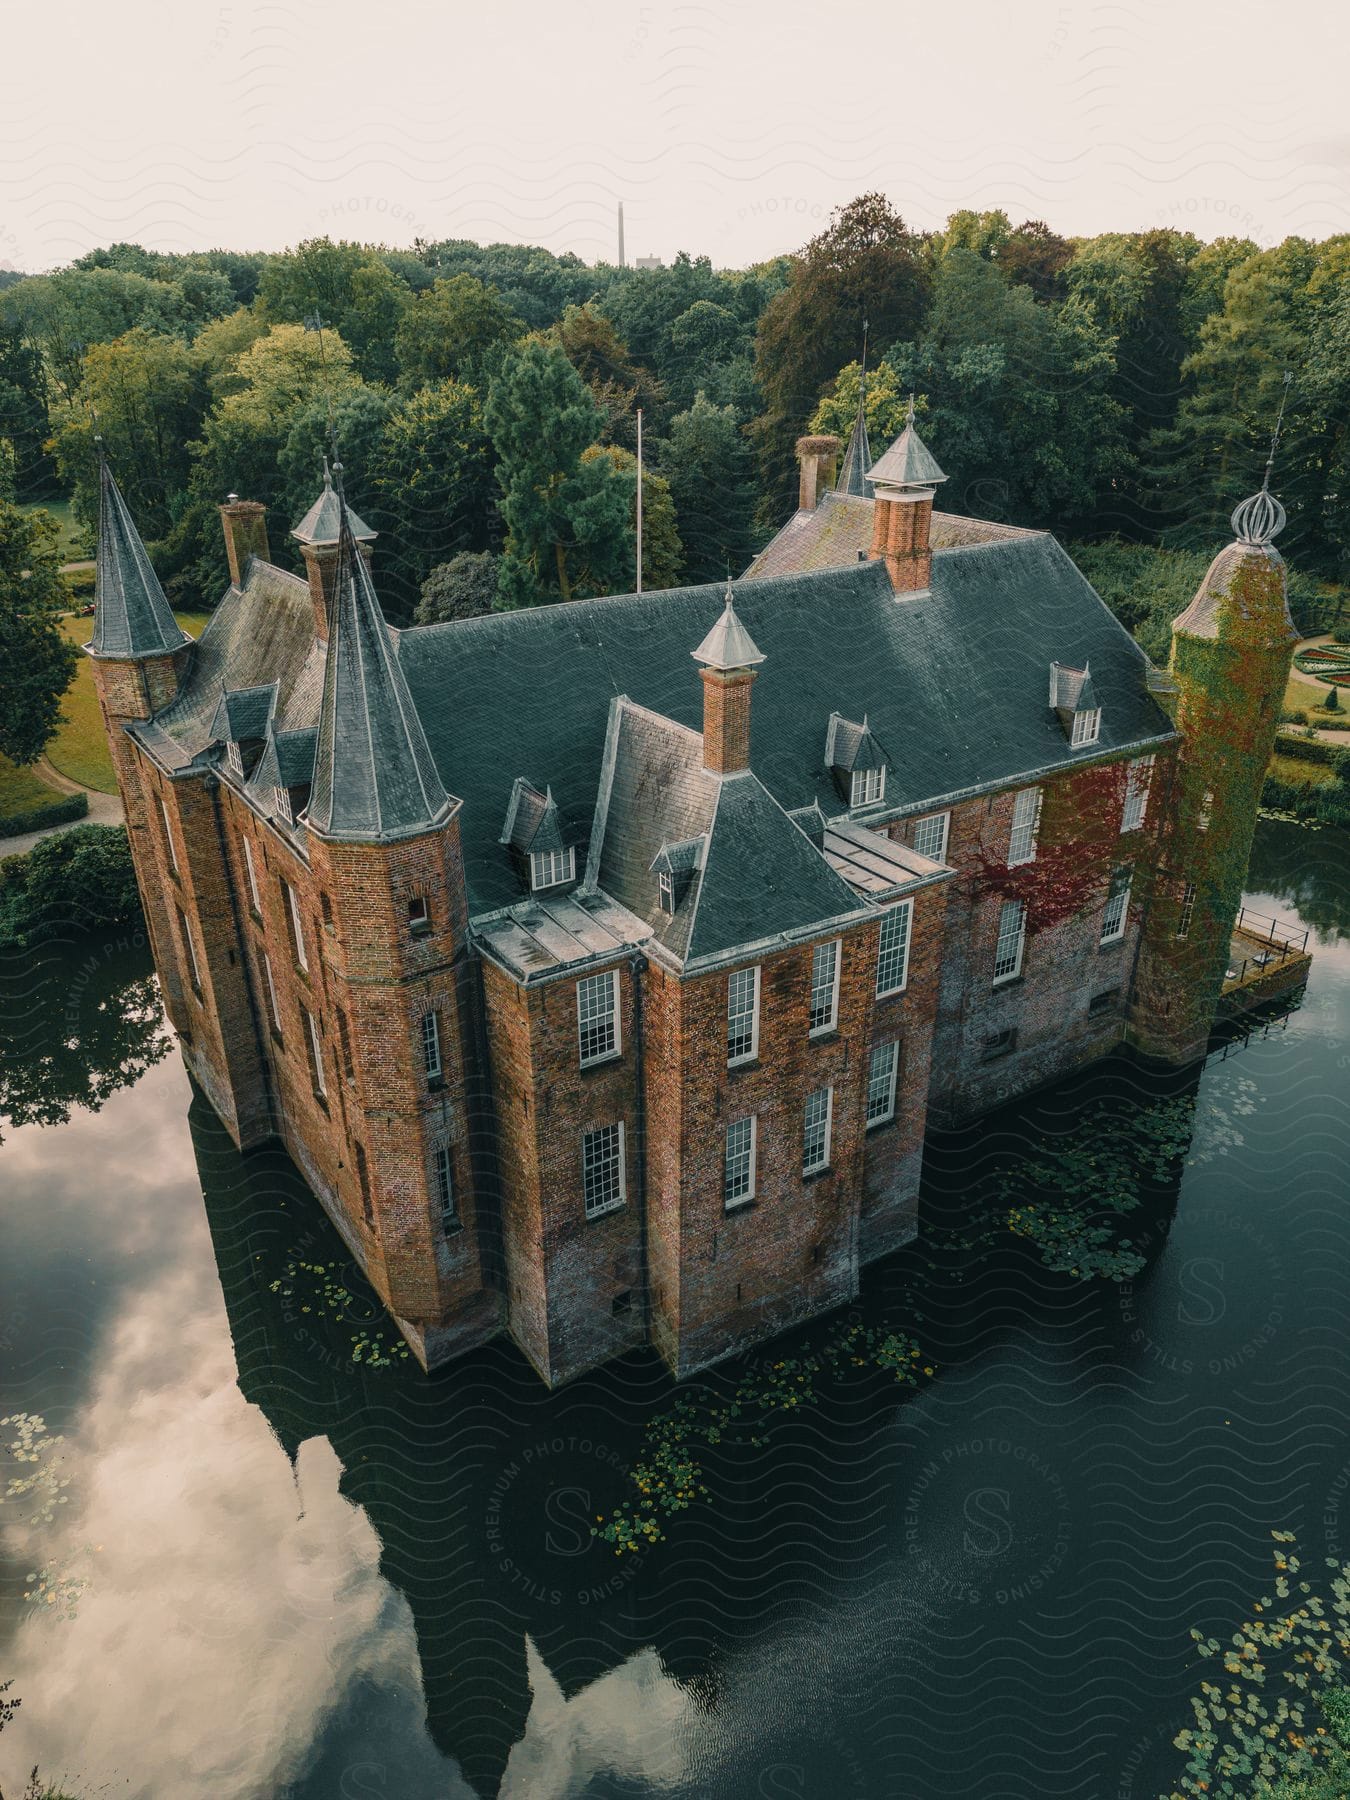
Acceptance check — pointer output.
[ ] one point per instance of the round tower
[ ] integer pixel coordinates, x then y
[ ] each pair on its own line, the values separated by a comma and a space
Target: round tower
1231, 650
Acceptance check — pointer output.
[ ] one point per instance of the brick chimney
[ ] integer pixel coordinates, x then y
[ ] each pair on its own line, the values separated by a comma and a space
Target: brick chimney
904, 482
245, 523
817, 460
729, 655
317, 535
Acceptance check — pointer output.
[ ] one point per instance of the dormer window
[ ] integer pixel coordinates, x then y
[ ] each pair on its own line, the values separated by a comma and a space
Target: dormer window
667, 883
235, 757
552, 868
1086, 727
281, 801
856, 761
868, 786
1074, 701
675, 866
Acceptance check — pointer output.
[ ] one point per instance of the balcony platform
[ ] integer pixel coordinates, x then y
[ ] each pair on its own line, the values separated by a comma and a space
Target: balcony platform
1266, 958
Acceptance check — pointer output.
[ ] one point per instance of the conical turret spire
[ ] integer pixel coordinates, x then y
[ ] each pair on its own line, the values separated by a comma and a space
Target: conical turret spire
132, 618
853, 471
374, 777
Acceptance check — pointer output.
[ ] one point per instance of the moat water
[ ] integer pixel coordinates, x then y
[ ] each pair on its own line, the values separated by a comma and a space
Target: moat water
272, 1571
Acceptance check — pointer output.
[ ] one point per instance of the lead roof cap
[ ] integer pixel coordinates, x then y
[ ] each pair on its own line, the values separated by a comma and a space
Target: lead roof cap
728, 645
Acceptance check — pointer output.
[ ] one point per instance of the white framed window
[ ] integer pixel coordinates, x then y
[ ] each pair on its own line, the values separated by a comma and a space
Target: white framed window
281, 800
250, 874
816, 1123
824, 988
930, 836
1187, 912
443, 1186
742, 1016
603, 1176
168, 835
1086, 727
431, 1044
867, 786
235, 757
667, 882
1026, 826
272, 1006
1012, 931
315, 1053
1138, 780
738, 1166
1117, 908
191, 949
893, 949
297, 929
882, 1067
1206, 812
598, 1032
551, 868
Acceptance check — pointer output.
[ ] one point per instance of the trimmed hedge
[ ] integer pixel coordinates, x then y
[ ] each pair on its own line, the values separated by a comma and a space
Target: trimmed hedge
1327, 803
1308, 749
38, 818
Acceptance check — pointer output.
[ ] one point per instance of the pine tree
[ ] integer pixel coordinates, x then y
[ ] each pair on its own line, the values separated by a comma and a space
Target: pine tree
706, 460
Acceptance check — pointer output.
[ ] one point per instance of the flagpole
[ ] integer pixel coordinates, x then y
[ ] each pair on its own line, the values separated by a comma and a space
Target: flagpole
639, 500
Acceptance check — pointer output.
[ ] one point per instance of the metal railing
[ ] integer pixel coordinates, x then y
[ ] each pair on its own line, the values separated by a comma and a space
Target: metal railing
1271, 950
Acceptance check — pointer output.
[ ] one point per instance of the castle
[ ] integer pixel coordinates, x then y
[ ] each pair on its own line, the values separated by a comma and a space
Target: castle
601, 965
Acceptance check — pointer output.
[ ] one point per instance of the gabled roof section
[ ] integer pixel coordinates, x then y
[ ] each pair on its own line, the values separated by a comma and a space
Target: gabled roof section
839, 532
244, 714
322, 523
287, 760
679, 859
1071, 690
532, 820
728, 645
909, 462
374, 778
851, 747
132, 618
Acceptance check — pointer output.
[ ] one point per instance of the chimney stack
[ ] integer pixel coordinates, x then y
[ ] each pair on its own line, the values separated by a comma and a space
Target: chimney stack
317, 535
729, 655
245, 523
904, 482
817, 460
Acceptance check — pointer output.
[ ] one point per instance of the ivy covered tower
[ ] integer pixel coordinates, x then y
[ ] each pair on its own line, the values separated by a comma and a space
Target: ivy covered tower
1231, 650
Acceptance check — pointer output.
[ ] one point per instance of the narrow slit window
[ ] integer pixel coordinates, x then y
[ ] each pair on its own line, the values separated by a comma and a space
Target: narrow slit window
363, 1176
598, 1017
272, 1006
1187, 912
251, 876
443, 1186
893, 949
431, 1045
191, 949
1026, 825
315, 1053
824, 987
816, 1130
1012, 927
881, 1073
297, 928
742, 1015
168, 835
738, 1170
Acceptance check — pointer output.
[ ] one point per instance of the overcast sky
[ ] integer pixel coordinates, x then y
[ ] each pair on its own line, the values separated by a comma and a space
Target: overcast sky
730, 128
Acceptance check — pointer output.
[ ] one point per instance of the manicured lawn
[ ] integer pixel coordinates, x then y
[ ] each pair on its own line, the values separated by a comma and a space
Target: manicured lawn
1298, 773
73, 547
79, 749
21, 790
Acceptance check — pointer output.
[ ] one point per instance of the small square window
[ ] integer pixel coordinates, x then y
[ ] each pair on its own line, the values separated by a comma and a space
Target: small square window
419, 916
1107, 1001
998, 1043
552, 868
622, 1303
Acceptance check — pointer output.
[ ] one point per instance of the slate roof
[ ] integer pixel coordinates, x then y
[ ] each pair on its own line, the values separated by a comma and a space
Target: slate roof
530, 693
908, 462
243, 714
374, 777
322, 522
1072, 690
849, 746
287, 760
532, 820
758, 876
132, 618
728, 645
853, 471
839, 531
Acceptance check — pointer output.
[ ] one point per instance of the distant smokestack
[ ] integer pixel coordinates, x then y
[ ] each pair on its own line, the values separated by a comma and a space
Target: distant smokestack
621, 262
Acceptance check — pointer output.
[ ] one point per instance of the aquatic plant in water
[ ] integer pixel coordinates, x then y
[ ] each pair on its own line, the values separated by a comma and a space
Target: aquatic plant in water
328, 1298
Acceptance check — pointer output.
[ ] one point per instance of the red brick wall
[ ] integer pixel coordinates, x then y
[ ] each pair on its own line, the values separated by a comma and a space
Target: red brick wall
726, 719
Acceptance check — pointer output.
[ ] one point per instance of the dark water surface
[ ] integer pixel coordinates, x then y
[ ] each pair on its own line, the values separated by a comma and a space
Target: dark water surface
277, 1573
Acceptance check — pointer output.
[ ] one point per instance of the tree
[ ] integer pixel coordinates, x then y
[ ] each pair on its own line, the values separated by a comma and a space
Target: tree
38, 659
867, 265
705, 339
463, 588
607, 569
708, 464
145, 395
559, 510
620, 386
355, 423
1034, 256
887, 402
451, 330
433, 485
23, 411
351, 290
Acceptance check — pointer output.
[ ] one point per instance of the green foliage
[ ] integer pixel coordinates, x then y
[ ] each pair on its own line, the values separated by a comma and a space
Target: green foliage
38, 661
887, 401
454, 331
1066, 1194
350, 289
80, 880
662, 551
432, 480
38, 818
619, 385
1275, 1720
317, 1289
707, 463
561, 512
668, 1477
463, 588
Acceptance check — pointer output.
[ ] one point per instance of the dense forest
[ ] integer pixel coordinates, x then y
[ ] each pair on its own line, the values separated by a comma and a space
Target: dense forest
1119, 389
